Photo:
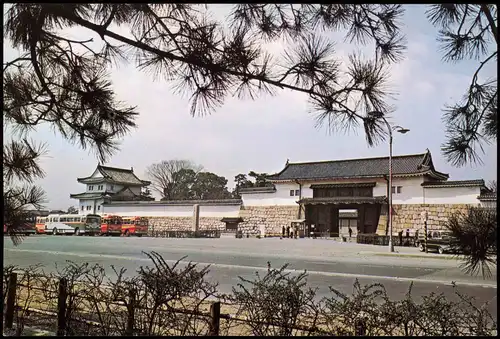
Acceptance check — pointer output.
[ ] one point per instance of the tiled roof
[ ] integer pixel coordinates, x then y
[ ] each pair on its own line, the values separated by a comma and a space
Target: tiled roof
250, 190
117, 175
358, 168
343, 200
488, 196
178, 202
120, 175
88, 195
350, 185
455, 183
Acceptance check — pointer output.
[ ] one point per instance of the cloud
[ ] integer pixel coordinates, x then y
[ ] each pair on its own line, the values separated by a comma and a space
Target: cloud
260, 135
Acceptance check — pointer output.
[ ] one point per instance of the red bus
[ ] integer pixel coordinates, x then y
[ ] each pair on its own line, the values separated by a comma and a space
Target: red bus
111, 225
134, 226
40, 225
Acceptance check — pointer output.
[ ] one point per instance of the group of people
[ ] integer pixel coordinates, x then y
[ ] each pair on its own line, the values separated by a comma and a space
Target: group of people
407, 237
289, 232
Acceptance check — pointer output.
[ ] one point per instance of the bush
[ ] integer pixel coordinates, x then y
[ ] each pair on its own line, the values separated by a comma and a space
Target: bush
169, 299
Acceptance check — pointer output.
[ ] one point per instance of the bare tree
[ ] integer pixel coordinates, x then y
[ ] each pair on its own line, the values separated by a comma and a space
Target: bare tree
166, 176
492, 186
469, 31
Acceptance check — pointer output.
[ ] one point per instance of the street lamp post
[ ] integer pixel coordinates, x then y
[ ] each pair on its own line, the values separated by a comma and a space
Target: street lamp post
401, 130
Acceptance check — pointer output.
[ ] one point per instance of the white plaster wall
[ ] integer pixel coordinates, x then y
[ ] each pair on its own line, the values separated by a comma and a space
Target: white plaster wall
85, 203
280, 197
172, 210
220, 211
97, 204
452, 195
412, 191
150, 210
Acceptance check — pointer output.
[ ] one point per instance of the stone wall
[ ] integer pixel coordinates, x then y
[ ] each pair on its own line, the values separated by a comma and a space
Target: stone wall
410, 216
273, 218
212, 223
185, 223
171, 223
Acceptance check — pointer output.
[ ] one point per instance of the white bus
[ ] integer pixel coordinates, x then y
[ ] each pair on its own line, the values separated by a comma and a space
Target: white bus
76, 224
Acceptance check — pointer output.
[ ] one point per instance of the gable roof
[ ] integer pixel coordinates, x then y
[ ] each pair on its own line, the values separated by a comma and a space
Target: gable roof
402, 165
117, 175
454, 183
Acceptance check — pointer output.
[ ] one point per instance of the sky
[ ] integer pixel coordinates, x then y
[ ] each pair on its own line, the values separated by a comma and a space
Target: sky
260, 135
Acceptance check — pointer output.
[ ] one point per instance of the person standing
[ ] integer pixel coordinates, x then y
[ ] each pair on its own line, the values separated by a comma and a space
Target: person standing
350, 231
400, 235
288, 231
416, 237
283, 231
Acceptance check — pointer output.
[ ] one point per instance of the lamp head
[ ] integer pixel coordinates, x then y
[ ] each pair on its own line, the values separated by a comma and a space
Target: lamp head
403, 130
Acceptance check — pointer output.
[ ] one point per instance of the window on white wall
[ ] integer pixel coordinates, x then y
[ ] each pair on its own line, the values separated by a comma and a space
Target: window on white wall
292, 193
99, 207
82, 207
91, 188
99, 188
297, 192
88, 208
396, 189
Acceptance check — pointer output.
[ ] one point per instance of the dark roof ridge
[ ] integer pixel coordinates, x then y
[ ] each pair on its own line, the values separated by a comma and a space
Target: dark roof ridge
355, 159
115, 168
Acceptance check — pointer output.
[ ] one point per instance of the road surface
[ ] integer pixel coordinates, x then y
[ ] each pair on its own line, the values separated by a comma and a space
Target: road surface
329, 263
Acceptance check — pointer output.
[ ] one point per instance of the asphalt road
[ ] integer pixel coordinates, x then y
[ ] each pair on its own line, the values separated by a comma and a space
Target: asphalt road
328, 263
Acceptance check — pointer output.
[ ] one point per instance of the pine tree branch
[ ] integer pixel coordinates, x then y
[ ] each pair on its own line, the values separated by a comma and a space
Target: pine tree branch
491, 20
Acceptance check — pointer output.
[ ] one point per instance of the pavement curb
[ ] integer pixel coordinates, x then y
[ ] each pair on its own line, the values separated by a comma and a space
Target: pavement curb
413, 255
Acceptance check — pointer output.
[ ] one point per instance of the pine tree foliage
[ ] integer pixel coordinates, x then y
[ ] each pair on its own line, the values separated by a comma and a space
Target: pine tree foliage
469, 31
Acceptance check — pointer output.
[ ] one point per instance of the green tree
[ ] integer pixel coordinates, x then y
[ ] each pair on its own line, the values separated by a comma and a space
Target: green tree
208, 186
241, 182
184, 179
260, 179
72, 210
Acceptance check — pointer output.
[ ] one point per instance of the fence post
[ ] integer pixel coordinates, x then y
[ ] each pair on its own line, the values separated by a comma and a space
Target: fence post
215, 318
359, 327
10, 307
61, 306
130, 315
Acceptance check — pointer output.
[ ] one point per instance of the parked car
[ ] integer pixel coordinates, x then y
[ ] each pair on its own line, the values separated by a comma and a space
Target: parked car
439, 241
